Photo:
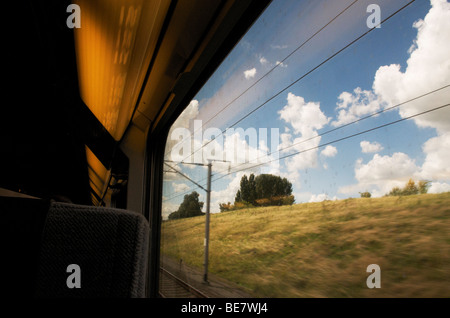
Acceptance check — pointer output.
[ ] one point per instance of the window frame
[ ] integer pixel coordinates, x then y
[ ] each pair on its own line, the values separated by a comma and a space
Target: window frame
234, 26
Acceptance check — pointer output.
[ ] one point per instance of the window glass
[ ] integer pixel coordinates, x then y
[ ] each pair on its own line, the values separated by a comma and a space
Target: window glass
326, 137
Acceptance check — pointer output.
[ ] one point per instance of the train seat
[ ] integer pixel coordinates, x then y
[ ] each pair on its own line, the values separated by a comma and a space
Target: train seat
67, 250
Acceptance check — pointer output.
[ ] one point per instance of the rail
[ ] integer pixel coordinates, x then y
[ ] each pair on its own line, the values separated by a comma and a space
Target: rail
179, 288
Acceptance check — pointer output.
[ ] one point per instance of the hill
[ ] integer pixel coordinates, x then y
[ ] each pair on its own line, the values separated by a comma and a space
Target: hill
323, 249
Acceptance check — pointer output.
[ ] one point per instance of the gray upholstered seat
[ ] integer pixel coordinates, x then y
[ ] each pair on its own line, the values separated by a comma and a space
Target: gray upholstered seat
110, 246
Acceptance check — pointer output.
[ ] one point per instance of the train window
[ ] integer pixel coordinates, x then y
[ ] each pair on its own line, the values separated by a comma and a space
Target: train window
314, 161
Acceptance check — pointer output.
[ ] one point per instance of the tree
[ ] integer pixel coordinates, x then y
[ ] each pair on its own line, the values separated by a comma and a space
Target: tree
423, 186
245, 190
396, 191
265, 189
238, 197
268, 186
251, 189
189, 207
365, 194
411, 188
224, 207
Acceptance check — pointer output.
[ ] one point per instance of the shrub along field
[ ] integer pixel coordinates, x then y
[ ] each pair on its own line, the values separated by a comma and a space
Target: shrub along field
323, 249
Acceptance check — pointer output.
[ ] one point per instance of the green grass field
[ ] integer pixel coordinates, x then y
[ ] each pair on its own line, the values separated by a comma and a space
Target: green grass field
323, 249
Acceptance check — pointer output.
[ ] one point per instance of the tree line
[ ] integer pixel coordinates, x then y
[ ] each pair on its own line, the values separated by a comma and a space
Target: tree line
271, 190
262, 190
410, 188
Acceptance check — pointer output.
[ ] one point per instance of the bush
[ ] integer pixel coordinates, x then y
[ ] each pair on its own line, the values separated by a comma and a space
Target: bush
411, 188
224, 207
396, 191
423, 186
278, 200
242, 205
365, 194
288, 200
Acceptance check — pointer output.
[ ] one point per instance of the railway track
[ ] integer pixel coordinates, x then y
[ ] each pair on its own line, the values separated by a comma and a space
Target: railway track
173, 287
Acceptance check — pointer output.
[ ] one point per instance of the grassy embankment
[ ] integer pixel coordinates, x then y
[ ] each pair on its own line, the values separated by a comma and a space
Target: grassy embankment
323, 249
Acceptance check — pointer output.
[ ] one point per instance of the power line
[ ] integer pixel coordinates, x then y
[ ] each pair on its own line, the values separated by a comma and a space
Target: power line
208, 210
296, 81
350, 123
303, 76
337, 128
209, 165
277, 65
185, 176
329, 143
340, 139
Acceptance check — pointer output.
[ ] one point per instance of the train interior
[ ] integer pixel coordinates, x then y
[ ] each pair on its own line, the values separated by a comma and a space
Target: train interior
340, 105
61, 140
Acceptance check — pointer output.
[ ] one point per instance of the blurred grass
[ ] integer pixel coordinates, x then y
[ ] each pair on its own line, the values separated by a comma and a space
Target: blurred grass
323, 249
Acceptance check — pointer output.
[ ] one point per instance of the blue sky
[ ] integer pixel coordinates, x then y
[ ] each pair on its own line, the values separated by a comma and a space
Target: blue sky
406, 57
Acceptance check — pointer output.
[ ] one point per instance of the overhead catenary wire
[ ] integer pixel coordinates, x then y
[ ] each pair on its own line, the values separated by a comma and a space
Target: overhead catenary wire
277, 65
328, 143
348, 124
302, 77
332, 130
185, 176
340, 139
296, 81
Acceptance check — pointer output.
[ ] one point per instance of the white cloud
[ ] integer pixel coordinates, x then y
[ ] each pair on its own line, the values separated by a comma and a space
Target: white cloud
179, 131
428, 68
354, 106
188, 114
228, 194
321, 197
301, 161
167, 208
286, 140
281, 64
381, 174
250, 73
399, 166
436, 165
279, 47
329, 151
305, 118
243, 149
438, 187
237, 150
368, 147
267, 63
180, 187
